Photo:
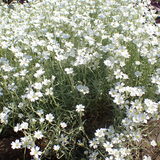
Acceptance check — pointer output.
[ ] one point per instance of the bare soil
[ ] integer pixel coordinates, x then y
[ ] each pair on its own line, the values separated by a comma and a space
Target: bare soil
7, 153
144, 147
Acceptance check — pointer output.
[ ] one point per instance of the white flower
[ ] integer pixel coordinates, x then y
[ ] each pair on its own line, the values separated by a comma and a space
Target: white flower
40, 112
24, 62
108, 63
137, 62
151, 106
118, 74
49, 91
38, 134
155, 79
53, 77
37, 85
63, 139
125, 53
5, 77
93, 143
137, 73
20, 115
12, 87
100, 133
93, 156
137, 136
41, 120
32, 96
37, 65
146, 158
153, 143
113, 92
17, 127
35, 152
23, 72
39, 94
33, 121
69, 70
20, 105
63, 124
26, 142
115, 153
86, 152
80, 108
110, 132
39, 73
56, 147
108, 146
46, 82
118, 99
109, 158
83, 89
124, 152
49, 117
3, 118
126, 122
24, 125
16, 144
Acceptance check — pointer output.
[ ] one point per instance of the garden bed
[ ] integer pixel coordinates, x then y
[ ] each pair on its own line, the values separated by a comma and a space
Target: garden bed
80, 80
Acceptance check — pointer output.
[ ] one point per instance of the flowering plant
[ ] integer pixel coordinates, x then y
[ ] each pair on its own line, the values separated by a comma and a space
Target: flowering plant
66, 64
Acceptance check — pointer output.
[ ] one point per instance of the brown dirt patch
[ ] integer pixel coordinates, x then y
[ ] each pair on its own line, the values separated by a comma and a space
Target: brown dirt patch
145, 148
7, 153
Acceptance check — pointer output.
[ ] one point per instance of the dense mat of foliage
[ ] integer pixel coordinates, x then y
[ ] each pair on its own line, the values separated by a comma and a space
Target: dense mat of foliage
64, 61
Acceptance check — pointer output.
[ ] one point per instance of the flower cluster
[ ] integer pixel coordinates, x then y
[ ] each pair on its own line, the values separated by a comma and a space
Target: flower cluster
58, 58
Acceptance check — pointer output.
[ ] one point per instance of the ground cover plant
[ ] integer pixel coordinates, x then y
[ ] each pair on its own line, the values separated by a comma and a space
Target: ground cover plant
65, 65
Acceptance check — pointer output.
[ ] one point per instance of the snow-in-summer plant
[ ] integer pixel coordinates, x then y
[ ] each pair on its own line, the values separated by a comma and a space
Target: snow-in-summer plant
62, 62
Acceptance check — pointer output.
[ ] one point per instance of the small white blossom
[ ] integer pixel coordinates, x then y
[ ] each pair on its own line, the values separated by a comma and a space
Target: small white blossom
20, 115
153, 143
16, 145
108, 146
49, 117
24, 125
93, 156
40, 112
49, 91
56, 147
63, 124
41, 120
146, 158
138, 74
17, 127
83, 89
100, 133
64, 140
26, 142
80, 108
38, 134
93, 143
69, 70
53, 77
137, 62
35, 152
